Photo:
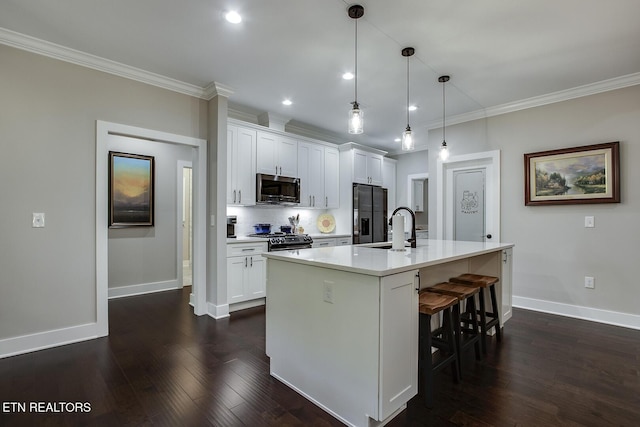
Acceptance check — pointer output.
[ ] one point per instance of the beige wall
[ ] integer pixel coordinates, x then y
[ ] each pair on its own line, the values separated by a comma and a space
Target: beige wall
48, 113
553, 251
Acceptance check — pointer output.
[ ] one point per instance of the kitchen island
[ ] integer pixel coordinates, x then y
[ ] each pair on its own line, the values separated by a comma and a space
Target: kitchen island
342, 322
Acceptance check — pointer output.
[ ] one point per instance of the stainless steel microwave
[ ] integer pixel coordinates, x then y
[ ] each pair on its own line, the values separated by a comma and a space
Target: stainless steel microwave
276, 189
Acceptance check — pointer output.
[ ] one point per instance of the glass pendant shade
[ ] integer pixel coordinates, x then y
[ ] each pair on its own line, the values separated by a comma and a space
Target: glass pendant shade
356, 121
407, 140
444, 151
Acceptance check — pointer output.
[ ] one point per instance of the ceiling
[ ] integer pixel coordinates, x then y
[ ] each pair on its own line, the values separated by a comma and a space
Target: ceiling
497, 52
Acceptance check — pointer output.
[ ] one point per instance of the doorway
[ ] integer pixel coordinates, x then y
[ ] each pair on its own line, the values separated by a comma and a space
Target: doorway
479, 175
103, 132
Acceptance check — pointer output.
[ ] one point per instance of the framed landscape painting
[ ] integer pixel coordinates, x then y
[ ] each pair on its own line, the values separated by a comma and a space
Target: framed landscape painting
131, 179
587, 174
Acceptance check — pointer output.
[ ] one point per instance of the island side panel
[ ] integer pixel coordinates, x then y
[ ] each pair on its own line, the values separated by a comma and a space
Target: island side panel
328, 351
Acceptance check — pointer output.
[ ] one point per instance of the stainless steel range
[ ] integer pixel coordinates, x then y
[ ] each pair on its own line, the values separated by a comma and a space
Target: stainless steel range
286, 241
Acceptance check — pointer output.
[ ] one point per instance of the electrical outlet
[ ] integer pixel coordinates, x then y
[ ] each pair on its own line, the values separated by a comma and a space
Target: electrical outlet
37, 220
589, 282
327, 292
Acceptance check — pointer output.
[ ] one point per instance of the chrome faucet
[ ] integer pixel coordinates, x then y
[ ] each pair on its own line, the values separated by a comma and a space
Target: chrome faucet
412, 240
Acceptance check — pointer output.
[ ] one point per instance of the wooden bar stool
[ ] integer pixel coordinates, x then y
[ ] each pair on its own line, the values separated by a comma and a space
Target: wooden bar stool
469, 334
441, 338
490, 319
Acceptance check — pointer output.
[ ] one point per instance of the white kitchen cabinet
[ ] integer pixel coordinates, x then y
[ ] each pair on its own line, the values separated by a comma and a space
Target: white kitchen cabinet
367, 167
323, 242
241, 166
277, 154
343, 241
246, 272
318, 170
362, 165
331, 178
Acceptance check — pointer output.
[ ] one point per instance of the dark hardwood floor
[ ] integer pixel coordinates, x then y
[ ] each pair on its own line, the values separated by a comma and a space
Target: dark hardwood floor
163, 366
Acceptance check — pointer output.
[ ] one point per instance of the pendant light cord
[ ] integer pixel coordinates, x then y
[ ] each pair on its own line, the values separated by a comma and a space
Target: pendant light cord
443, 113
356, 62
408, 92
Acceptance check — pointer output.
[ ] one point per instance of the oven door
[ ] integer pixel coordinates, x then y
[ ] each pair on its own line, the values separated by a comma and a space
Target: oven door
289, 247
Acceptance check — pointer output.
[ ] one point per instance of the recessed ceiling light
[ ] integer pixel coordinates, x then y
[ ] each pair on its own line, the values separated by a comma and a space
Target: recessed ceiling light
233, 17
348, 75
413, 107
287, 102
397, 140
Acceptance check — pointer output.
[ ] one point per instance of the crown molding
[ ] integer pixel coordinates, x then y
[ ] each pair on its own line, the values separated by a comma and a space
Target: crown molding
52, 50
538, 101
216, 89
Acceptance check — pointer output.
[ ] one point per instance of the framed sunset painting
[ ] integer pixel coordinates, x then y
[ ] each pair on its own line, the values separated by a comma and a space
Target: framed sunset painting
131, 179
587, 174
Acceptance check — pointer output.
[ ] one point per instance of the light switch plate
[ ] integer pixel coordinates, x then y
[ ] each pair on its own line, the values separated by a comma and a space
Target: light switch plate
589, 282
589, 222
38, 220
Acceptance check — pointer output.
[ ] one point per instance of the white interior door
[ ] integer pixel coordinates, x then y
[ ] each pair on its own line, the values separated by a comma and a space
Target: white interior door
469, 207
447, 201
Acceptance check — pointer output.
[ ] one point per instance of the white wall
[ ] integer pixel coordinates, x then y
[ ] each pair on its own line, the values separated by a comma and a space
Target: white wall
553, 251
48, 113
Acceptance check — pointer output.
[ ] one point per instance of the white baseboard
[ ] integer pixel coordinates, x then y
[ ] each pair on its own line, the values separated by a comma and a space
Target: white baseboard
143, 288
247, 304
218, 311
626, 320
48, 339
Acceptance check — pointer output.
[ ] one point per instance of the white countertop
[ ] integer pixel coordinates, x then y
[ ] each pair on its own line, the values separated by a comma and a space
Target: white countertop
249, 239
383, 262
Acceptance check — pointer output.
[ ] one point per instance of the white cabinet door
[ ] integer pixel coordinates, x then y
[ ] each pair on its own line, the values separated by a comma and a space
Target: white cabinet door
311, 174
374, 168
304, 158
331, 178
288, 156
360, 174
241, 166
389, 182
235, 279
256, 273
277, 154
398, 375
343, 241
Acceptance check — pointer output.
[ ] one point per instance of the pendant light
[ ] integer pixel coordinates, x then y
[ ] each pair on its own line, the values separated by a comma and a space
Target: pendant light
355, 114
407, 137
444, 151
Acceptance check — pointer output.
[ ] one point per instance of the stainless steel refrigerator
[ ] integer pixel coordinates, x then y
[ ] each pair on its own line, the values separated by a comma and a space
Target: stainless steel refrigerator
369, 214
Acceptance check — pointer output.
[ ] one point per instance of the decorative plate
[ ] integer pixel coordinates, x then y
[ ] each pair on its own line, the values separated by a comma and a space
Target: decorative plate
326, 223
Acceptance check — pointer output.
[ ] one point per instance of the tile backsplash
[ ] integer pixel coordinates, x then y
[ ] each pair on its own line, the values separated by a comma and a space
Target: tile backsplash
274, 215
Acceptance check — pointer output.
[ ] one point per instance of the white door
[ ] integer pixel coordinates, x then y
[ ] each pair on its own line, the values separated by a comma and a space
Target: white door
469, 209
448, 201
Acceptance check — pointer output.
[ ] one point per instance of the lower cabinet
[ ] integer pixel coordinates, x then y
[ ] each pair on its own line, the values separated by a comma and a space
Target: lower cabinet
325, 242
246, 272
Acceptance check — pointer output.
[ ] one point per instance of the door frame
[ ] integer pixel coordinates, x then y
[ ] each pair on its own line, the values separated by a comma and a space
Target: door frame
488, 160
182, 164
199, 171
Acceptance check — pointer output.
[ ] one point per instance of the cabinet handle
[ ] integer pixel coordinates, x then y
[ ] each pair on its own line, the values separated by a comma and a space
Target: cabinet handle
280, 170
251, 261
314, 201
326, 201
248, 249
245, 262
418, 276
276, 170
239, 196
309, 200
234, 196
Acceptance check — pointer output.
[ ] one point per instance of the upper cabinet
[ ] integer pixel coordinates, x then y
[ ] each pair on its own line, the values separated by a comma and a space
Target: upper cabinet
318, 170
277, 154
241, 165
365, 165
